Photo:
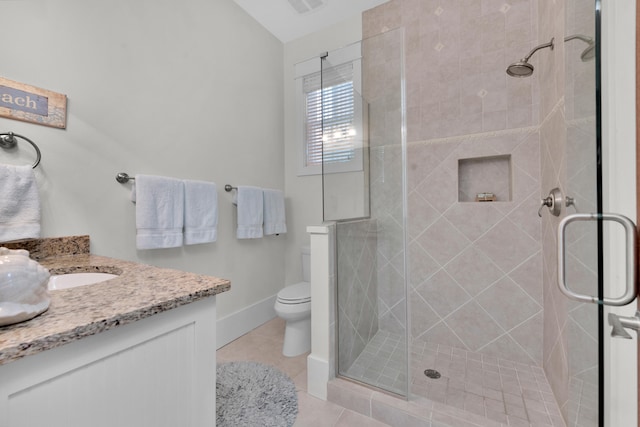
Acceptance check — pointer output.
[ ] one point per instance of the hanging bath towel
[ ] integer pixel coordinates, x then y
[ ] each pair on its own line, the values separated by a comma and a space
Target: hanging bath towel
250, 212
200, 212
274, 216
19, 203
159, 211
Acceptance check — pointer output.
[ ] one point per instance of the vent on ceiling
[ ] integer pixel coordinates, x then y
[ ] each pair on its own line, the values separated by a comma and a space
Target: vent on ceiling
306, 6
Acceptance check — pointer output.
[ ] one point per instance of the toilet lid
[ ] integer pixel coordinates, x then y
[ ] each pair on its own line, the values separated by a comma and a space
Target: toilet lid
298, 293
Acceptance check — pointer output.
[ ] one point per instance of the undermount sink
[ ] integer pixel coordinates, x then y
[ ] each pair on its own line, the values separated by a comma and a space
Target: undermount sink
72, 280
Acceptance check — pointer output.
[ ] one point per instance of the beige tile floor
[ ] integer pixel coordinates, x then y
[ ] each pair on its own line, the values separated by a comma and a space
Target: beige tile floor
264, 345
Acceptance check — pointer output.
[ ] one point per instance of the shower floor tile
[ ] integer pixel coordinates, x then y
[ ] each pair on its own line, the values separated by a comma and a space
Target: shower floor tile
501, 390
381, 363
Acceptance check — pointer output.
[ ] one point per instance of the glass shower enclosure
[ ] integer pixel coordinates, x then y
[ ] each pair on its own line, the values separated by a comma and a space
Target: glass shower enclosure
446, 262
368, 204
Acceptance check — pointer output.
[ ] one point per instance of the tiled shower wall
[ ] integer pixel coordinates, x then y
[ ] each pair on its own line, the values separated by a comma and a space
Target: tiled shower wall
475, 276
370, 251
568, 134
358, 290
482, 275
382, 78
580, 123
475, 267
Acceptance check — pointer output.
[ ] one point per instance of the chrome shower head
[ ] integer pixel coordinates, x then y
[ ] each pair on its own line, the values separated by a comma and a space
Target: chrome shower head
590, 52
522, 68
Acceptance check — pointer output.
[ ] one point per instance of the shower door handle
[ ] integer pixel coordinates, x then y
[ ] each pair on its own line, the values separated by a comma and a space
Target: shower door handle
631, 270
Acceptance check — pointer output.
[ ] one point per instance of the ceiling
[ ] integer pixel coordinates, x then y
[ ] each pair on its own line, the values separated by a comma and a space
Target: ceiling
284, 22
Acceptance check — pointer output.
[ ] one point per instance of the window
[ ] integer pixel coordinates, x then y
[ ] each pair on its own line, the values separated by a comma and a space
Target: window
341, 117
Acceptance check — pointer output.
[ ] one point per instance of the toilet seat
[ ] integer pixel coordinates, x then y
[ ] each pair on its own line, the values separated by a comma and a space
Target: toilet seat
299, 293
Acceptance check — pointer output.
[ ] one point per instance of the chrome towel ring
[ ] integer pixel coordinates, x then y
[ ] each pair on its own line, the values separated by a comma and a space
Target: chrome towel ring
8, 140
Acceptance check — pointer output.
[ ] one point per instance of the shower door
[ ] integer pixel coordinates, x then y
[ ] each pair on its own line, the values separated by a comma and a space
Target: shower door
596, 262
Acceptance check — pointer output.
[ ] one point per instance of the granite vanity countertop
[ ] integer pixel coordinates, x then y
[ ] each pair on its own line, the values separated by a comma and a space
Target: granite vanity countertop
138, 292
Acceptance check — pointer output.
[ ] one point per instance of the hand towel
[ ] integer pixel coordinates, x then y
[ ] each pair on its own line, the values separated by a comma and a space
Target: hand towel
274, 215
19, 203
250, 212
159, 211
200, 212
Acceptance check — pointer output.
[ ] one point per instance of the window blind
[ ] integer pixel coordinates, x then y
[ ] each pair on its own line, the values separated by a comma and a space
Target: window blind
333, 108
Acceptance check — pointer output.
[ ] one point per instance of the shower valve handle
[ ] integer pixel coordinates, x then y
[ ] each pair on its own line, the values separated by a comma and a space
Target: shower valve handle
548, 202
553, 201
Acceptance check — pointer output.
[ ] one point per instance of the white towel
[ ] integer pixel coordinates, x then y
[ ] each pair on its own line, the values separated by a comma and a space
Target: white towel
159, 211
274, 216
200, 212
19, 203
250, 212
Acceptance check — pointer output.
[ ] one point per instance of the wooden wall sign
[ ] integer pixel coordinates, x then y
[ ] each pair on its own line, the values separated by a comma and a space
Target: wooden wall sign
20, 101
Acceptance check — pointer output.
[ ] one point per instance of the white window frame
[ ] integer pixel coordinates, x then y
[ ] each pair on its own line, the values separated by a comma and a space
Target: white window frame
351, 54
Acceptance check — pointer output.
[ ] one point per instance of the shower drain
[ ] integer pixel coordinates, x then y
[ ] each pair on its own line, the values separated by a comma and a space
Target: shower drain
432, 373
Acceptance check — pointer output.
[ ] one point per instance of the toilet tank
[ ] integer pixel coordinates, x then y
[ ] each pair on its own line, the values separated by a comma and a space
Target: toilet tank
306, 263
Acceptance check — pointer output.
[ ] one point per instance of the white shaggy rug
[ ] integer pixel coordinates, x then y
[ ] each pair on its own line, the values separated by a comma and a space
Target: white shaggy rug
254, 394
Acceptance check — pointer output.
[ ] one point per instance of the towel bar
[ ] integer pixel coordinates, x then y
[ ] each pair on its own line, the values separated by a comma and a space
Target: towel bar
8, 141
124, 177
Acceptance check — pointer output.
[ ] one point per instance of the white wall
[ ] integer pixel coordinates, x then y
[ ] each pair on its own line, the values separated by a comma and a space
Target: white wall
305, 192
189, 89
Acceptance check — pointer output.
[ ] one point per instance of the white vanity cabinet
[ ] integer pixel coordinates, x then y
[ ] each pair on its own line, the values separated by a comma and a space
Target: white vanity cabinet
157, 371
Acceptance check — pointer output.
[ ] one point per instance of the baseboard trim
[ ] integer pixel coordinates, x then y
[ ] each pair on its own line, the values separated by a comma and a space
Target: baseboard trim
317, 376
242, 321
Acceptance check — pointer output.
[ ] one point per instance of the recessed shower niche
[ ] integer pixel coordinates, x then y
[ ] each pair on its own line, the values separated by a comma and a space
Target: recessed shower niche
484, 179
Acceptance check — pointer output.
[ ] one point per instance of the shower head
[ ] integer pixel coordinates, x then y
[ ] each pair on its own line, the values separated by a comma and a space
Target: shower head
522, 68
590, 52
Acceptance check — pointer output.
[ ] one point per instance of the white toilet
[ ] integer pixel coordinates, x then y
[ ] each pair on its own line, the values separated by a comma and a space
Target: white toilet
294, 305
